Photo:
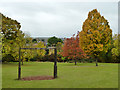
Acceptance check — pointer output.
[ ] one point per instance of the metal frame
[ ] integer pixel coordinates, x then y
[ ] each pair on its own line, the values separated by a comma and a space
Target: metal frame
55, 61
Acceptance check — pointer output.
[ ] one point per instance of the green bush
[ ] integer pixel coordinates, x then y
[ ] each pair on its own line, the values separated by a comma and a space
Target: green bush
8, 58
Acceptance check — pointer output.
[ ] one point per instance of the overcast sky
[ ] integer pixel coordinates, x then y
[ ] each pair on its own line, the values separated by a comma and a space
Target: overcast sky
61, 19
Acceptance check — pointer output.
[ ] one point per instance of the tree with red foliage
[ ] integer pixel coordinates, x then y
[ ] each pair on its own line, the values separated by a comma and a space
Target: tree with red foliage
72, 49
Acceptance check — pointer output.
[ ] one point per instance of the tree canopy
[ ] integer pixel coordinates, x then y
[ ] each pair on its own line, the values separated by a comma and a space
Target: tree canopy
53, 41
95, 40
96, 35
72, 49
12, 37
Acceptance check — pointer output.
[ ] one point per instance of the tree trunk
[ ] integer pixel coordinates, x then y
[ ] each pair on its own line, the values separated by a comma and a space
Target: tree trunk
96, 63
22, 62
75, 62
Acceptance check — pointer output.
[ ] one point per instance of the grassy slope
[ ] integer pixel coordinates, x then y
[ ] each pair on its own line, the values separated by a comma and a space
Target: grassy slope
85, 75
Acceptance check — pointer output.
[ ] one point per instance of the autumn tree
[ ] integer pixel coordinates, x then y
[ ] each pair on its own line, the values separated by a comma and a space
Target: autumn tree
27, 54
12, 38
96, 35
72, 49
39, 53
31, 54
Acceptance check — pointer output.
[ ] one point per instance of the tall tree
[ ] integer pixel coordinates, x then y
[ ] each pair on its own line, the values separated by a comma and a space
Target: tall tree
12, 38
72, 49
96, 35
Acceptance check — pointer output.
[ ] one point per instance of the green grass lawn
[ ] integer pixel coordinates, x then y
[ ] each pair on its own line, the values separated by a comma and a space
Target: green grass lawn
83, 75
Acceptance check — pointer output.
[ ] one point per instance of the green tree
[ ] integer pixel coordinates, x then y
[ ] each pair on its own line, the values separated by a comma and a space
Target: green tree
12, 38
59, 47
34, 41
53, 41
41, 52
115, 49
96, 35
30, 54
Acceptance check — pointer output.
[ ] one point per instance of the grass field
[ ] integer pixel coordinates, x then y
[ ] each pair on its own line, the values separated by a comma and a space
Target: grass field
83, 75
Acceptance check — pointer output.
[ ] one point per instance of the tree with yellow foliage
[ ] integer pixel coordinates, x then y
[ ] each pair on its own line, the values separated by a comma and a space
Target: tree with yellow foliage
96, 35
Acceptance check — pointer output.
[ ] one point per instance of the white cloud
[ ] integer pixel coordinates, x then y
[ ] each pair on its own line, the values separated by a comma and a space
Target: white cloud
59, 19
44, 17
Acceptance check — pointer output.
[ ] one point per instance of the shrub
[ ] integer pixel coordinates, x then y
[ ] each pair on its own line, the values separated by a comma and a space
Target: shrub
8, 58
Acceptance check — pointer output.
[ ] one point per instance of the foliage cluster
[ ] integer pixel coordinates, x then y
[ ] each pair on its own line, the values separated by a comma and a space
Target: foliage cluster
53, 41
93, 42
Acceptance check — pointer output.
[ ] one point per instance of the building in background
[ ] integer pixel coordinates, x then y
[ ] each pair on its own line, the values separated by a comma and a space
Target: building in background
43, 39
